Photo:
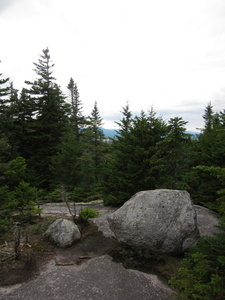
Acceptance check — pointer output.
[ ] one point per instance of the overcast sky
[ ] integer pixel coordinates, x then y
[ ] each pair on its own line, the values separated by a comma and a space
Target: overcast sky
160, 53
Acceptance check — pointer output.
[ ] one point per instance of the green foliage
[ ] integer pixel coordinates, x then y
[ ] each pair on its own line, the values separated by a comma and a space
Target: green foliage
66, 164
217, 203
77, 120
94, 152
111, 200
15, 170
15, 193
49, 123
78, 195
54, 196
88, 213
42, 224
172, 155
24, 199
129, 168
202, 274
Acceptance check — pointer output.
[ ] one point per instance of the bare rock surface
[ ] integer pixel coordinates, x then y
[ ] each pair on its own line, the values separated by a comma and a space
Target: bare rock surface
82, 272
99, 278
162, 221
63, 232
207, 221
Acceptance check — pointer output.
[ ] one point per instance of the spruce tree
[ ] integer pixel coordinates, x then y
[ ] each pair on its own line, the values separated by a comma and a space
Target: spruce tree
129, 168
94, 150
125, 123
66, 164
171, 154
208, 117
211, 154
77, 120
50, 119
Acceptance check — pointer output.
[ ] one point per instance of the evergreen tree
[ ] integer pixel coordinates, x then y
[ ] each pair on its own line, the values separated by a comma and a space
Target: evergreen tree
208, 117
4, 87
125, 123
50, 119
94, 150
172, 153
23, 127
66, 164
4, 98
77, 120
129, 169
210, 153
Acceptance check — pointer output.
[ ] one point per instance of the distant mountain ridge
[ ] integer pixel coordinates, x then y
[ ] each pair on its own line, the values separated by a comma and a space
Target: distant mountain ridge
109, 133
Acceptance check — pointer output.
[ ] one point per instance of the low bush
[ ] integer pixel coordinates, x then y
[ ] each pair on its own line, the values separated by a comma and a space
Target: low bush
202, 272
87, 213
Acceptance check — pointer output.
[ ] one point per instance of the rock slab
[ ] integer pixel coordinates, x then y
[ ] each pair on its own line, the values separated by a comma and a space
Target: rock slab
159, 221
63, 232
100, 278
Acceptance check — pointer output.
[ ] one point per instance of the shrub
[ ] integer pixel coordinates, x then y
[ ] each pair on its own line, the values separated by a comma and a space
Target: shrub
110, 200
202, 272
87, 213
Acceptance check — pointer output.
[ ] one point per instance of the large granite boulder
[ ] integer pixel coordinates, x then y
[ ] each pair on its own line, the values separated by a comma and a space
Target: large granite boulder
160, 221
63, 233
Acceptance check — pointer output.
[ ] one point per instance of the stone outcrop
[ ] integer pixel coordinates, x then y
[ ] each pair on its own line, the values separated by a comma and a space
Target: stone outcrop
63, 233
207, 221
99, 278
160, 221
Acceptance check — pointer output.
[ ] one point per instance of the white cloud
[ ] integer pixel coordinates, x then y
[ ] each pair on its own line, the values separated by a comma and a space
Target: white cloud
161, 53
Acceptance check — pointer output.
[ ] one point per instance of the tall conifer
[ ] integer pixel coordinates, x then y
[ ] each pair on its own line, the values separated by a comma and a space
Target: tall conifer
50, 118
77, 120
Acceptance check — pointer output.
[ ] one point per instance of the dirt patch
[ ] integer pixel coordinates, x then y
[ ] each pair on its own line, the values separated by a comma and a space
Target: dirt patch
32, 257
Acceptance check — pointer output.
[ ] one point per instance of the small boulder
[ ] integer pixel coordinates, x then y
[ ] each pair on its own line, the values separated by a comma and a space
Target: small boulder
63, 232
160, 221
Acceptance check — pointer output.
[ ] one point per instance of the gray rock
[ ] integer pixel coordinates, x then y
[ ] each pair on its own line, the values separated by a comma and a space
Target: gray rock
160, 221
207, 221
100, 278
63, 232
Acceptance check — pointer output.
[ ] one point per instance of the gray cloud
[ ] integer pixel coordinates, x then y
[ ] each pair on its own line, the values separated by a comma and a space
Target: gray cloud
5, 4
